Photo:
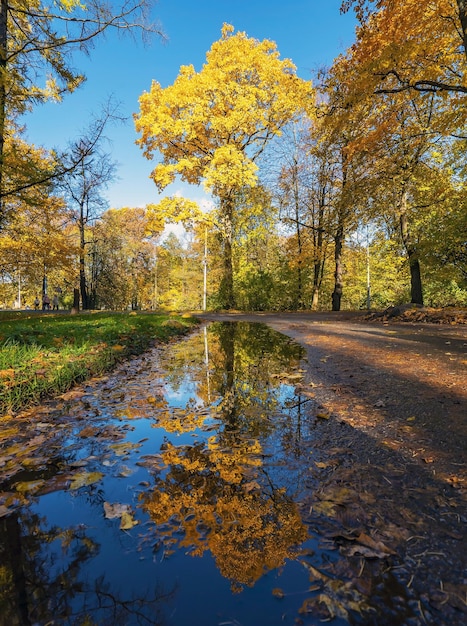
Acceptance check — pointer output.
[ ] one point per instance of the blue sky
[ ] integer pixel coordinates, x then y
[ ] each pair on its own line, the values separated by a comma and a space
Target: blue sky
310, 32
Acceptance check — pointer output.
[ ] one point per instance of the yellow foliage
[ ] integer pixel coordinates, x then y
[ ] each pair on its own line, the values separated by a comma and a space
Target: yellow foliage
211, 125
217, 503
408, 43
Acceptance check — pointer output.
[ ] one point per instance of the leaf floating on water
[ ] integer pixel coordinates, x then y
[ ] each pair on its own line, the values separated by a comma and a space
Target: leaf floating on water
122, 512
80, 463
72, 395
30, 486
278, 593
252, 486
83, 479
88, 431
127, 521
323, 416
121, 449
325, 508
113, 511
125, 471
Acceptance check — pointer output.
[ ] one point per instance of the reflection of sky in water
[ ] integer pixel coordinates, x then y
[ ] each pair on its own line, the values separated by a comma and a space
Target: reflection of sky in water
136, 560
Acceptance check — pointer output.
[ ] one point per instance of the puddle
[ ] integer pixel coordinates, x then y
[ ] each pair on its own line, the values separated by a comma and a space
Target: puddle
172, 494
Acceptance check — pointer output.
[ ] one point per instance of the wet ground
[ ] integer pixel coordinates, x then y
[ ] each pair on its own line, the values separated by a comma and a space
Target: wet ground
238, 478
396, 395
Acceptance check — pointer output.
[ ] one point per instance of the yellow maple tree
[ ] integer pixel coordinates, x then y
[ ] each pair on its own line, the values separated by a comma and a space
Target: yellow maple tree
211, 126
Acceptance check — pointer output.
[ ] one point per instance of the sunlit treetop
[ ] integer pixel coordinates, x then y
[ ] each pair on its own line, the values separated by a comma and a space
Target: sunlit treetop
408, 44
212, 125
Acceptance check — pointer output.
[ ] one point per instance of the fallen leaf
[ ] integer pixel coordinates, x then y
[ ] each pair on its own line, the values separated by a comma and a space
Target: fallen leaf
29, 487
127, 521
83, 479
3, 510
113, 511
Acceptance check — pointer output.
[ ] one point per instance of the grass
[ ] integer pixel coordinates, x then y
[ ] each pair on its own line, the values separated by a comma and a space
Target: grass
46, 354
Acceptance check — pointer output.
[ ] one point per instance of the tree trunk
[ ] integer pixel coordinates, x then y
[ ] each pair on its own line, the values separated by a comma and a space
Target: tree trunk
226, 287
416, 290
82, 261
338, 272
318, 244
299, 295
75, 308
318, 272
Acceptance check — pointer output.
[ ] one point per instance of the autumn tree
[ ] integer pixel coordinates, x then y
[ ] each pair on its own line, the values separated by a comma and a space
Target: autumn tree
412, 45
288, 173
340, 122
38, 41
83, 189
36, 240
121, 267
212, 125
401, 129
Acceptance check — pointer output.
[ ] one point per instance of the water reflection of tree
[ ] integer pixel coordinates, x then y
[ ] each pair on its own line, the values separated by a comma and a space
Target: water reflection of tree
219, 499
242, 360
246, 356
40, 579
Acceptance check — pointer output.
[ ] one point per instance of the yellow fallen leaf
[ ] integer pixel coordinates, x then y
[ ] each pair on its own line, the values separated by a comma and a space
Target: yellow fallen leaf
83, 479
127, 521
30, 486
323, 416
8, 373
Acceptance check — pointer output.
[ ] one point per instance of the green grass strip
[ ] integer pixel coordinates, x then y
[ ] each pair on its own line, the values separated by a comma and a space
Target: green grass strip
43, 355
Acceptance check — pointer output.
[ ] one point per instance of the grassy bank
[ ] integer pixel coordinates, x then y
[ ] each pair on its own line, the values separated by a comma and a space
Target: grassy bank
47, 354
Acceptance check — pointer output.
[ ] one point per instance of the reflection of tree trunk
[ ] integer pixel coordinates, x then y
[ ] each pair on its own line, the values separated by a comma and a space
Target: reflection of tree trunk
227, 344
206, 362
416, 290
12, 560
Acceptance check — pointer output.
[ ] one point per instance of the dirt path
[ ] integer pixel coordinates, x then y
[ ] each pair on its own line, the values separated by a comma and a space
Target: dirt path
393, 397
